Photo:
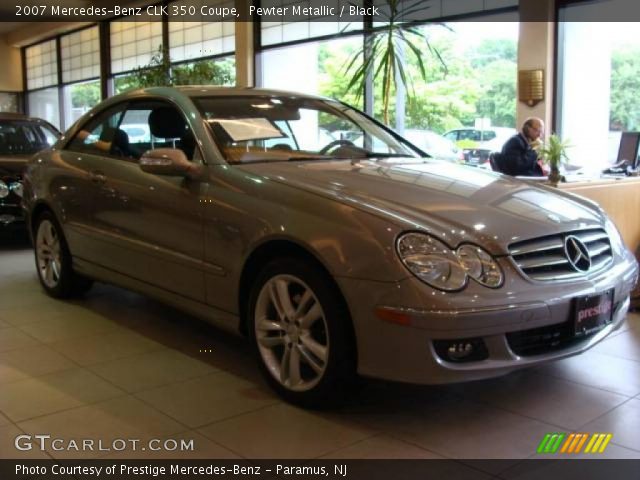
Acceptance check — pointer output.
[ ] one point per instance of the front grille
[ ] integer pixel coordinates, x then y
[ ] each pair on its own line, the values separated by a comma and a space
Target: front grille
545, 258
537, 341
541, 340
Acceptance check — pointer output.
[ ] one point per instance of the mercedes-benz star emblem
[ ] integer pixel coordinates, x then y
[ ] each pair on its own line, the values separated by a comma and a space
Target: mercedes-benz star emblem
577, 253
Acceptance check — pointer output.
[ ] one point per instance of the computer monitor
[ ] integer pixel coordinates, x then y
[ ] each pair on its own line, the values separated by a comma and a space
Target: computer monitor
629, 143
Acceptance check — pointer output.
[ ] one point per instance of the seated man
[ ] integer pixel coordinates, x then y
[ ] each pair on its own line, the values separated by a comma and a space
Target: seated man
518, 156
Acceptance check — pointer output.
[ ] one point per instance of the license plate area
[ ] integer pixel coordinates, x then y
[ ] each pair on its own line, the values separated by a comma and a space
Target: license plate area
593, 312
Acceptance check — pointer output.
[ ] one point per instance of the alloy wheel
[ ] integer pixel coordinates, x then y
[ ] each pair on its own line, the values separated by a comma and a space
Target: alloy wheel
48, 252
291, 332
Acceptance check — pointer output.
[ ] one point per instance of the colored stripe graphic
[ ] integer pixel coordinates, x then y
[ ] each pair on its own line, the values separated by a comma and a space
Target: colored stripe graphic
543, 443
572, 443
551, 442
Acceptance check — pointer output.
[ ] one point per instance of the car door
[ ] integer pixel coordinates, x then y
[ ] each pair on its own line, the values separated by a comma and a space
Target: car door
151, 225
79, 180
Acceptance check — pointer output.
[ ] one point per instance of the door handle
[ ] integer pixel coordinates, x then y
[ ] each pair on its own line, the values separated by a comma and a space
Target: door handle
97, 177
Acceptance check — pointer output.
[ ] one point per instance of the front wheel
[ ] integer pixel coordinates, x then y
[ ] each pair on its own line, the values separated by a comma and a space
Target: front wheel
300, 328
53, 260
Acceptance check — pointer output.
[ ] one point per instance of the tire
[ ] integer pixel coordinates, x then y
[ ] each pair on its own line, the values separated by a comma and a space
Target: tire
53, 260
300, 329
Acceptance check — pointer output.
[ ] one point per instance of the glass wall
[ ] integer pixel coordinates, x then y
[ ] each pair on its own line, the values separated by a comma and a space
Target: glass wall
318, 66
41, 65
79, 98
470, 81
191, 40
45, 104
80, 55
133, 44
80, 59
62, 87
598, 81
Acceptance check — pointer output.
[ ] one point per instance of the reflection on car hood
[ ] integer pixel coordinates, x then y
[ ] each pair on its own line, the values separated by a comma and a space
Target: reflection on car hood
455, 202
13, 165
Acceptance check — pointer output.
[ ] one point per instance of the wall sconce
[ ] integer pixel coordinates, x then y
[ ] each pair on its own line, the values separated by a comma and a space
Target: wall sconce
531, 86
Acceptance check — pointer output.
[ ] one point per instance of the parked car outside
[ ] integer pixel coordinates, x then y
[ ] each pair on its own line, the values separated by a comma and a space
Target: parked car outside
435, 145
478, 144
20, 137
334, 259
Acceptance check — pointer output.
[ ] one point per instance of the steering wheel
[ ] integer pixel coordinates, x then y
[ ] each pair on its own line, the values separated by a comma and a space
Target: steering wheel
336, 143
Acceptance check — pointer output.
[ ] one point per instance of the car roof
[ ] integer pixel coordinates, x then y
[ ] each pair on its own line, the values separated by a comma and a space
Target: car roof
217, 91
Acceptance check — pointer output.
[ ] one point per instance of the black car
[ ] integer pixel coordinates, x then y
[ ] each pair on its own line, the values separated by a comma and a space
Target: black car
20, 138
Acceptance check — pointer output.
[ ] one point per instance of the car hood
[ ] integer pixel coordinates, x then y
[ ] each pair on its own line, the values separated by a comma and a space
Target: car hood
13, 165
454, 202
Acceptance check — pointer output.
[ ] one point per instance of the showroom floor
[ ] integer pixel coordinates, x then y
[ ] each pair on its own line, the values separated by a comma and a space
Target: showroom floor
117, 365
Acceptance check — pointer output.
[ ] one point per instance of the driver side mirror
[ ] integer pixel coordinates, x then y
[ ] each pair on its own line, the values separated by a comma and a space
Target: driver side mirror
166, 161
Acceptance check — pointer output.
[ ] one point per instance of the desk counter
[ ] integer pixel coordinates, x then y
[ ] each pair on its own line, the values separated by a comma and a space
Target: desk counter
619, 197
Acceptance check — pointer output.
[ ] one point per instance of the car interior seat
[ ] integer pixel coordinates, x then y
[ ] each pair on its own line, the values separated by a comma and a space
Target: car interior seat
167, 122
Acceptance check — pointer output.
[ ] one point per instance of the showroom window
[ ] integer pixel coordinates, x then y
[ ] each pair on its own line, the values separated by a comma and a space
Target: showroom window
190, 40
45, 104
80, 59
80, 55
42, 78
474, 85
133, 44
598, 81
41, 65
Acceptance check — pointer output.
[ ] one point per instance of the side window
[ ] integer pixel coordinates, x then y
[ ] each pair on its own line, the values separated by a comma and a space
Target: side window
100, 136
153, 124
453, 136
488, 135
49, 135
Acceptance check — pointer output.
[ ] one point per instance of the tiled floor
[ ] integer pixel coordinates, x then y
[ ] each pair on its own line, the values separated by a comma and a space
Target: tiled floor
119, 366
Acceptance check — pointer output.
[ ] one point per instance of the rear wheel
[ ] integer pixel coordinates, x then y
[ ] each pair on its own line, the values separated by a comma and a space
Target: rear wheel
300, 328
53, 260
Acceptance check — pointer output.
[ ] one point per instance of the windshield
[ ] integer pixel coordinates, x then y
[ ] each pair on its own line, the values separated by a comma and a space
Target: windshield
272, 128
24, 137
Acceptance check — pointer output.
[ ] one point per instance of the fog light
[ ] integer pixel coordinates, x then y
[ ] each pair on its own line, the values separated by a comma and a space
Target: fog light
461, 350
6, 219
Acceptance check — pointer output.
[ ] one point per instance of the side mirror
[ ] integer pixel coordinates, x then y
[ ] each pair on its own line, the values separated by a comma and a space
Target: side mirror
166, 161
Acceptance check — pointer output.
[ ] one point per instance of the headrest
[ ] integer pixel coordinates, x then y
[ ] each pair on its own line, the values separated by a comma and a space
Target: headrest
166, 122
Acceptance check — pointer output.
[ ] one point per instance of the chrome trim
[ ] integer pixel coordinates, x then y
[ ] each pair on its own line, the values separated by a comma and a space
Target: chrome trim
546, 259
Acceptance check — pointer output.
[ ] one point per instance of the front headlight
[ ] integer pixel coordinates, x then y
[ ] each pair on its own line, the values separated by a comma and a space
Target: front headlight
480, 266
4, 190
431, 261
614, 234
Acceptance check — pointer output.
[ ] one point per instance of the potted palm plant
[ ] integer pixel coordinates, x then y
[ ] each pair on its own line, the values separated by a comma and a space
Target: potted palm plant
386, 48
554, 153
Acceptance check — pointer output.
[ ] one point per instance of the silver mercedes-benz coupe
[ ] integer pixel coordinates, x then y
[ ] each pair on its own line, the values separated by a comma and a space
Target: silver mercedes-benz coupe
336, 256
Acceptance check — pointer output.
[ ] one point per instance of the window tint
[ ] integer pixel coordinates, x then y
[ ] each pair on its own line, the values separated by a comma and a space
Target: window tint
100, 136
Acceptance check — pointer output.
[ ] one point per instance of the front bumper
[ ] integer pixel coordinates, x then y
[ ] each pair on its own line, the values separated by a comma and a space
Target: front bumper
504, 320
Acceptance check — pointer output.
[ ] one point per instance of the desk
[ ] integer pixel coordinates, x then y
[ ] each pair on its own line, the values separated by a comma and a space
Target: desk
620, 198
